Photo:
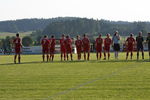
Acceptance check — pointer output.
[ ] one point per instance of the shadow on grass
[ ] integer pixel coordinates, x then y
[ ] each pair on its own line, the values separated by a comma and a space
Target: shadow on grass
76, 61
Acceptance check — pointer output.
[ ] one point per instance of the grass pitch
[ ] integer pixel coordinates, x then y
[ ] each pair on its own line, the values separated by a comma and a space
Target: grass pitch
74, 80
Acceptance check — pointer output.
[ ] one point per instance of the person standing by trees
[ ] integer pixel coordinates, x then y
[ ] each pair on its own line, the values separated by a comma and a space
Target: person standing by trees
68, 45
148, 41
86, 46
139, 41
116, 43
17, 44
45, 47
130, 42
98, 45
107, 43
52, 47
78, 44
62, 47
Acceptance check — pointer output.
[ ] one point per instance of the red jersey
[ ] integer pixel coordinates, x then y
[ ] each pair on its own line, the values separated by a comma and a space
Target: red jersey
68, 42
68, 45
99, 42
78, 43
17, 42
62, 43
130, 40
107, 41
52, 42
85, 41
45, 42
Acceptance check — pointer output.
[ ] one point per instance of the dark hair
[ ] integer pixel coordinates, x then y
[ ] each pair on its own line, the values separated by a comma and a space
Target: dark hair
45, 36
52, 36
84, 35
63, 35
17, 34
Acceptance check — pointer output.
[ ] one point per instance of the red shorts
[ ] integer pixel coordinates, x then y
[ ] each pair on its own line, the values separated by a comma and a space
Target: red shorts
79, 49
107, 48
86, 49
68, 49
52, 50
17, 50
62, 50
45, 50
130, 48
99, 48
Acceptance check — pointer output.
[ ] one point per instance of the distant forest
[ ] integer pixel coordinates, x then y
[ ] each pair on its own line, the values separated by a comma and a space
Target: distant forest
73, 26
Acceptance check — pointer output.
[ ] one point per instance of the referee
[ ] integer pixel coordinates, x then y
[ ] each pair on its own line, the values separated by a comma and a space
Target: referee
140, 40
116, 43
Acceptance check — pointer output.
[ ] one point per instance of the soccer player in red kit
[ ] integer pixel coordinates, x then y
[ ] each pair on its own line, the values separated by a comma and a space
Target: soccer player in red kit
45, 47
62, 47
17, 46
78, 44
130, 42
86, 46
52, 47
98, 45
107, 44
68, 45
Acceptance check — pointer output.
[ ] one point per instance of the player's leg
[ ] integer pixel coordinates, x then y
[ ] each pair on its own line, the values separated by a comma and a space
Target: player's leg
115, 54
19, 58
131, 55
104, 54
52, 56
43, 56
71, 56
77, 55
97, 55
88, 58
137, 54
15, 57
80, 56
142, 54
64, 55
67, 56
47, 54
84, 55
127, 54
100, 54
108, 55
61, 56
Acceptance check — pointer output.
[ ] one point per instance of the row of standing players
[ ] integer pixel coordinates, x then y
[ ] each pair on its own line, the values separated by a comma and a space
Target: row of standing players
48, 46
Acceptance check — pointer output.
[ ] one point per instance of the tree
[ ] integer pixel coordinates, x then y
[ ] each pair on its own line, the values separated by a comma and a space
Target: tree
27, 41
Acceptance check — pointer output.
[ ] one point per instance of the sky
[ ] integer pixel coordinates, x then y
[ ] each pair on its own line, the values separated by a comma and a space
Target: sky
115, 10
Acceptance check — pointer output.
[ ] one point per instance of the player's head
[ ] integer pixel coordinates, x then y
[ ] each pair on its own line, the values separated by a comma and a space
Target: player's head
148, 34
78, 36
67, 36
100, 35
45, 36
131, 34
52, 36
108, 35
84, 35
116, 32
140, 33
17, 35
63, 35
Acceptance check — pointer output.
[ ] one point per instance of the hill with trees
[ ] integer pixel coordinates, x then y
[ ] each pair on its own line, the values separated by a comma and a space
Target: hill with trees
25, 25
94, 27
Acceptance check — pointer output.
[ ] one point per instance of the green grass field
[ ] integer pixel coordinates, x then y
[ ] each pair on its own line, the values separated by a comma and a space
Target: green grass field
74, 80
